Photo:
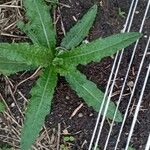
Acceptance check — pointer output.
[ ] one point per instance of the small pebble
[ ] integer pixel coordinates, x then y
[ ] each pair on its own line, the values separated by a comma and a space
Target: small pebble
145, 36
12, 105
65, 132
85, 41
91, 115
74, 18
67, 97
130, 83
80, 115
18, 117
137, 12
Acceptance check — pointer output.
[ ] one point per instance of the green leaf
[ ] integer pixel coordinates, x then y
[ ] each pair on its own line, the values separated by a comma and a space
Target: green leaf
6, 148
131, 148
98, 49
69, 139
30, 54
8, 67
39, 106
80, 30
2, 106
90, 93
40, 26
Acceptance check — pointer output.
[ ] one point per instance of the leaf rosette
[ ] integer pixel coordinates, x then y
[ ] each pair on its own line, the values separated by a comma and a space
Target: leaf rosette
42, 52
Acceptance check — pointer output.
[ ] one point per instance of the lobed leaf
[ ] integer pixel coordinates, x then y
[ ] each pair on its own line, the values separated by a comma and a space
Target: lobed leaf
80, 30
98, 49
91, 94
38, 107
40, 26
30, 54
8, 67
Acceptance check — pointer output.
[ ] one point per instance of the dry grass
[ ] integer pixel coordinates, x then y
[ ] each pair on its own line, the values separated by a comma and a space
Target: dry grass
11, 121
10, 13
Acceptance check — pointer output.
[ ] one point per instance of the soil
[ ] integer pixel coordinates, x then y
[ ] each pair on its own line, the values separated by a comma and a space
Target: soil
108, 21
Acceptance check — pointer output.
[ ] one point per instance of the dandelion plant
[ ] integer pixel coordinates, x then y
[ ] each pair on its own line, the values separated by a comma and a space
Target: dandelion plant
15, 57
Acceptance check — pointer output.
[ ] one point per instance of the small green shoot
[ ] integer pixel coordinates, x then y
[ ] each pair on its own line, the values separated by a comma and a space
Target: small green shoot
69, 139
97, 148
2, 106
121, 13
43, 53
131, 148
5, 148
63, 147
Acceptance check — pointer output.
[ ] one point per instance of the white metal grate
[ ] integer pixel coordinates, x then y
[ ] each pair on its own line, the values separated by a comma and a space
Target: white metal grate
113, 76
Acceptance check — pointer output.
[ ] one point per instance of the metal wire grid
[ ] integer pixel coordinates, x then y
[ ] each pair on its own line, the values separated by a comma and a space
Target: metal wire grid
110, 87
